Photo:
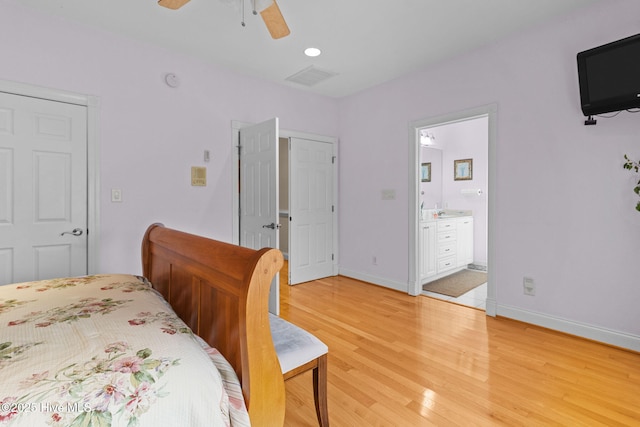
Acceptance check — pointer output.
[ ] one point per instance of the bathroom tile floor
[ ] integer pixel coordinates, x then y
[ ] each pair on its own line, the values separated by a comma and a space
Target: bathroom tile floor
476, 297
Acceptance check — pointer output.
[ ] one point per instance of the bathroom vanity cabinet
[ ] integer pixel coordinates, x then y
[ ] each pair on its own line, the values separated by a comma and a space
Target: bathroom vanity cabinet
446, 246
427, 249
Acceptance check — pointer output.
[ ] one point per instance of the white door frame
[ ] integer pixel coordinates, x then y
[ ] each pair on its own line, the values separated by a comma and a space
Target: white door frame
414, 286
235, 128
93, 166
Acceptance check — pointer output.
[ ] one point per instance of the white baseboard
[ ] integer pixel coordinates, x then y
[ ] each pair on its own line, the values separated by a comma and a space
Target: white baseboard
596, 333
398, 286
491, 307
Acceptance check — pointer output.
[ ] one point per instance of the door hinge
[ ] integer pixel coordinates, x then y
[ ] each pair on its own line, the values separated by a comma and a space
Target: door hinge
333, 159
331, 257
333, 208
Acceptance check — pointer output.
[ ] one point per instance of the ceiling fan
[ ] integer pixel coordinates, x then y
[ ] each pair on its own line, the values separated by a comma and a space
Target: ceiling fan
269, 11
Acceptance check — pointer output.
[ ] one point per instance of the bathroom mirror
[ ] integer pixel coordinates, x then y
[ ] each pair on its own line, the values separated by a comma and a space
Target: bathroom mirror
431, 191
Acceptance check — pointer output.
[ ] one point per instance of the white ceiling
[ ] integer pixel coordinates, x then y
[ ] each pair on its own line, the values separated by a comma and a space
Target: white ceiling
366, 42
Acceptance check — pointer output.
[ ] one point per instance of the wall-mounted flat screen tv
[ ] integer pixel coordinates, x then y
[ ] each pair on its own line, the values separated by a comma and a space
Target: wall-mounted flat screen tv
609, 76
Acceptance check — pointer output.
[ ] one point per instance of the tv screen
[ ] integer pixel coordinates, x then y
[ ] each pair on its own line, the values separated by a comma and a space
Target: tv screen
609, 76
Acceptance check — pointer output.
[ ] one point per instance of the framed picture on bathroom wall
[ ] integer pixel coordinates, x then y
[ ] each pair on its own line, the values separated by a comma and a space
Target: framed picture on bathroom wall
425, 172
463, 170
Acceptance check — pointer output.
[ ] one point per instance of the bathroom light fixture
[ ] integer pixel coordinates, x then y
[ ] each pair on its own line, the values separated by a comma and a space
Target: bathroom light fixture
427, 138
312, 51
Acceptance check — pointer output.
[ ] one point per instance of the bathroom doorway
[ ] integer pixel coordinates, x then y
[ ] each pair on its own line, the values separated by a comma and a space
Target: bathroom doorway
440, 146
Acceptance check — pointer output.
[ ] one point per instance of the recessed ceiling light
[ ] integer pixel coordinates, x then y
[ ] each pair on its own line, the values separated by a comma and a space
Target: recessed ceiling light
312, 51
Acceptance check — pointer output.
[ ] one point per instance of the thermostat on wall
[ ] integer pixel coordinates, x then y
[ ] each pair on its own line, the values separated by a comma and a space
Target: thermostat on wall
198, 176
171, 80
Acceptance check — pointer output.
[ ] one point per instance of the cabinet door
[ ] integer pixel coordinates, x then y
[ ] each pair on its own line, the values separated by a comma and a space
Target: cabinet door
465, 241
427, 249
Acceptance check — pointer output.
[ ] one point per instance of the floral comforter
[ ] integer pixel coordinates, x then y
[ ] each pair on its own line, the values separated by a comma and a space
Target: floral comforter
107, 350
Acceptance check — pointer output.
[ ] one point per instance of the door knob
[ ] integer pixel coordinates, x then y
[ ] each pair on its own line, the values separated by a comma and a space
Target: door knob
272, 226
75, 232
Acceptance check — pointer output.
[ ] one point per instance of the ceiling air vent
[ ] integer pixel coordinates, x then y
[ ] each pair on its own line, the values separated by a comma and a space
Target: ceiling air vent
311, 76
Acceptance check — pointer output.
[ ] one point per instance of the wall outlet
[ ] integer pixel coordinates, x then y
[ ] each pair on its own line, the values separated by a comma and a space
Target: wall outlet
529, 286
388, 194
116, 195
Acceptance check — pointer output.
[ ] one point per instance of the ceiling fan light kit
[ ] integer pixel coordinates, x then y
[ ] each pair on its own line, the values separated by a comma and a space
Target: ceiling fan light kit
269, 11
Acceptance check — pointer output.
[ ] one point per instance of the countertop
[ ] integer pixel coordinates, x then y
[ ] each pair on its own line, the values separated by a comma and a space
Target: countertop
428, 216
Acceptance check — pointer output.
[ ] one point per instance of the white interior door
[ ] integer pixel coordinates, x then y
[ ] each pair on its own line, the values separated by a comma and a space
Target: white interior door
259, 225
311, 210
43, 189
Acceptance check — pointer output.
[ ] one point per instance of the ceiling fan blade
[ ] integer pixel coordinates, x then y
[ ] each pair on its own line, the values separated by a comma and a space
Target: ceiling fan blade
172, 4
274, 21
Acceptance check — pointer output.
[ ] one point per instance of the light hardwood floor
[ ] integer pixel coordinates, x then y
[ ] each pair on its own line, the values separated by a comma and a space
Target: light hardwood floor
397, 360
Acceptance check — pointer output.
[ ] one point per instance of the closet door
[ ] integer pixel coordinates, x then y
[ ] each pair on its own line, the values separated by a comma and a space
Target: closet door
43, 189
311, 210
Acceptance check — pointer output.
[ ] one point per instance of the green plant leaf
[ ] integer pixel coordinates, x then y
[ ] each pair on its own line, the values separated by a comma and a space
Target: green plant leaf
143, 354
634, 166
151, 364
142, 376
92, 419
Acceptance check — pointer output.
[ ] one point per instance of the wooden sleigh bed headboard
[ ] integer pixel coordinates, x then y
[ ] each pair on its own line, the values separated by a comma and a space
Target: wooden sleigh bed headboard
222, 291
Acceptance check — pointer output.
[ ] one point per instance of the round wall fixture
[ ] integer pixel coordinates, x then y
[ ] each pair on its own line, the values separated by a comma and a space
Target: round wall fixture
171, 80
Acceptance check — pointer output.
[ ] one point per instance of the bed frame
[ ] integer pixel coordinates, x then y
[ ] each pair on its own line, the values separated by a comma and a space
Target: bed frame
222, 291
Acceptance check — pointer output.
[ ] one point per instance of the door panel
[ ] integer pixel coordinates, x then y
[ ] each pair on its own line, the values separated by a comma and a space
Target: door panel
52, 173
6, 186
52, 261
43, 188
259, 193
311, 210
6, 266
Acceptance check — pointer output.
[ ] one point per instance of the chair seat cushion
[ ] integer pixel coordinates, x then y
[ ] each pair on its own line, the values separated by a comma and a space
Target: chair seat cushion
294, 345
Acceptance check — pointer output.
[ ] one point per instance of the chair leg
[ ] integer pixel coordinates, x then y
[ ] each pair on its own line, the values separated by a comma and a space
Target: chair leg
320, 391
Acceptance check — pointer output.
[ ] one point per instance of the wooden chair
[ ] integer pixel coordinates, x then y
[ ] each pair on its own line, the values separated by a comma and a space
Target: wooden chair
298, 351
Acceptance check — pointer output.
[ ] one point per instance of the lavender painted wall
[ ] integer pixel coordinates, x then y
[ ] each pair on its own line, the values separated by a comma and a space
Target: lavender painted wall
564, 208
564, 211
150, 134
